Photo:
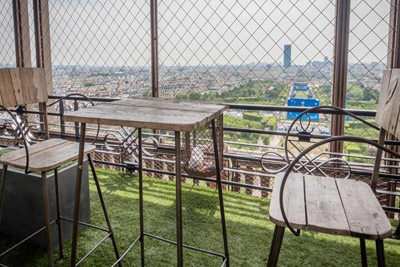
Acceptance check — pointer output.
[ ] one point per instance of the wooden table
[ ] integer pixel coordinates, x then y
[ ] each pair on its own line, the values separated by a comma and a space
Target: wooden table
328, 205
160, 114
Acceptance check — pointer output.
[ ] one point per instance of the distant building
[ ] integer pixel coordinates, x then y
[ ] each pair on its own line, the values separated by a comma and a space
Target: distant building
307, 99
287, 56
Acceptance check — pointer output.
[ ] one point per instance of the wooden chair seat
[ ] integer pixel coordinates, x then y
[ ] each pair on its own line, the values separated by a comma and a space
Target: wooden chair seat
46, 155
329, 205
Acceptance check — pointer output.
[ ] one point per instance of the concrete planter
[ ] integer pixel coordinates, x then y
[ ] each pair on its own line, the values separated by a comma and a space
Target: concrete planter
23, 204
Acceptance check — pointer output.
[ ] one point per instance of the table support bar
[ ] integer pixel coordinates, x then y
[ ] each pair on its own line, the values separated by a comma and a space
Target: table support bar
126, 252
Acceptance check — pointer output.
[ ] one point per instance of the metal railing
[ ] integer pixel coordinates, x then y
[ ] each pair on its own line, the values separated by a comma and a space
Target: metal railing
242, 158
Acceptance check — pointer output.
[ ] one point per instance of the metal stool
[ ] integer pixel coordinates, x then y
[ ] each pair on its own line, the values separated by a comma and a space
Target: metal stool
44, 156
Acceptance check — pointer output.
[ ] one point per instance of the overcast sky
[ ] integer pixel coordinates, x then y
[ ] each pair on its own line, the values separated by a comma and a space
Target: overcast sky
117, 32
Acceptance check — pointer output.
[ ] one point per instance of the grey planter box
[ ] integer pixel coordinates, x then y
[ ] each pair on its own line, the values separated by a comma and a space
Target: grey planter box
23, 204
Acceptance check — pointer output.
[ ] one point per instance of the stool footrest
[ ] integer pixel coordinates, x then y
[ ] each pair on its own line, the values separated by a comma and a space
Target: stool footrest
224, 258
126, 251
54, 221
185, 246
93, 249
24, 240
86, 224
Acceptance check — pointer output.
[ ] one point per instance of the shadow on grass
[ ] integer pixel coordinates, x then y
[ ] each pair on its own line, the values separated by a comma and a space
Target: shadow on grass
249, 230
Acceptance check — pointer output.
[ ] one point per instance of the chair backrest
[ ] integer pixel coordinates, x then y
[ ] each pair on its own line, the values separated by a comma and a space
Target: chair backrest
387, 116
22, 86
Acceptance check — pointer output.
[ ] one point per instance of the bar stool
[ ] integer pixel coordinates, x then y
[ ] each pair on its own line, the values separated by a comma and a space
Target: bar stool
43, 157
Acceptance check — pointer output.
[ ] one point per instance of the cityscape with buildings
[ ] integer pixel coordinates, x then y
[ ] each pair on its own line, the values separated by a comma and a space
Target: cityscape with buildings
125, 82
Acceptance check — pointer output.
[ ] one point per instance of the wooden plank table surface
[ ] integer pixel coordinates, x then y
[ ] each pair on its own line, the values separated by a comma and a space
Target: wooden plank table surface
150, 113
329, 205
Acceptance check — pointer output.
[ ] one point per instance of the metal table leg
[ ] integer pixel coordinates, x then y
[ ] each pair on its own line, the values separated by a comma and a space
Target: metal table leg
78, 193
220, 195
58, 221
47, 219
276, 246
380, 251
141, 195
179, 236
363, 251
103, 206
2, 187
178, 187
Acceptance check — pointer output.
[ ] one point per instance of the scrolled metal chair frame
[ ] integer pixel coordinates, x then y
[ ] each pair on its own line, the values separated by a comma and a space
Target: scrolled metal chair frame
87, 99
311, 110
304, 130
23, 138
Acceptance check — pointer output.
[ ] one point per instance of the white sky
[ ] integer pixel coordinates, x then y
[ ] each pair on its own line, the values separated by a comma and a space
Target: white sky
117, 32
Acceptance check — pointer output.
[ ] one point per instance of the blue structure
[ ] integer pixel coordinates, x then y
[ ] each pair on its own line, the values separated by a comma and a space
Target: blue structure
309, 101
287, 56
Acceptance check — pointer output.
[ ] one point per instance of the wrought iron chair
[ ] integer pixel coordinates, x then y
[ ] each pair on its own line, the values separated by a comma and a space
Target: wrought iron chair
24, 86
301, 207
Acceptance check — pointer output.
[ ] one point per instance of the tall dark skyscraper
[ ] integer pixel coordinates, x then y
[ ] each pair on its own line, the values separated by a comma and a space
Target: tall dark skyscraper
287, 56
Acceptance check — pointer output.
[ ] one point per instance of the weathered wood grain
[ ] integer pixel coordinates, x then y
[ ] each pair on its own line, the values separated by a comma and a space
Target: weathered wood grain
7, 89
20, 153
39, 82
324, 207
172, 104
29, 91
46, 155
380, 114
16, 86
293, 199
151, 113
22, 86
388, 112
365, 215
328, 205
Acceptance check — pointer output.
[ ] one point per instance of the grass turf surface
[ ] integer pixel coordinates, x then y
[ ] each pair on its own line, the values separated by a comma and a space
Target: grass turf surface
249, 230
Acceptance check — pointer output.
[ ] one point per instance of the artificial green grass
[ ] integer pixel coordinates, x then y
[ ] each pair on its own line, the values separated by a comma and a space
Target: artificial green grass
249, 230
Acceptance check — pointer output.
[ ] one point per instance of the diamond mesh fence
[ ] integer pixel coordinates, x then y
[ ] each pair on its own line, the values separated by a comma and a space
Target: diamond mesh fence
7, 42
248, 52
368, 50
100, 48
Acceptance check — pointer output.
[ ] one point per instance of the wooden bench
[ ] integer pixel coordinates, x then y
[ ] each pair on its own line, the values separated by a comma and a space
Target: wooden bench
338, 206
24, 86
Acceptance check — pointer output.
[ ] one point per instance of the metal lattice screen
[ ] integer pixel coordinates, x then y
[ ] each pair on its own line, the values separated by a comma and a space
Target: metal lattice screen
368, 50
210, 46
7, 42
101, 48
233, 51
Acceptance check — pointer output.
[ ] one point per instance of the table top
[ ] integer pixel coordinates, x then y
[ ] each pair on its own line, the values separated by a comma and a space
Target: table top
329, 205
150, 113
